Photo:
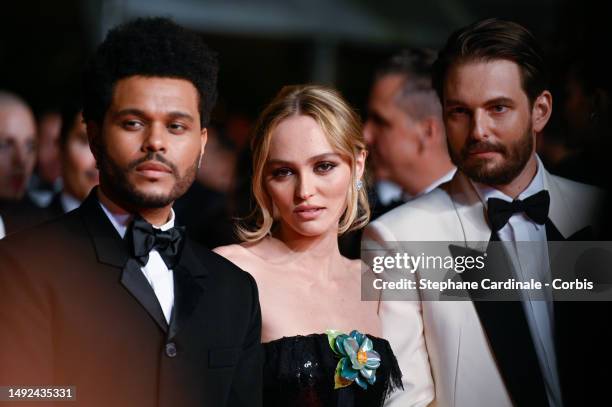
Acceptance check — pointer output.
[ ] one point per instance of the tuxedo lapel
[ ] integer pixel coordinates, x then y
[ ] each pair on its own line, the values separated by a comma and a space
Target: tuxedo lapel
135, 282
470, 212
188, 289
504, 320
109, 246
559, 211
553, 234
112, 250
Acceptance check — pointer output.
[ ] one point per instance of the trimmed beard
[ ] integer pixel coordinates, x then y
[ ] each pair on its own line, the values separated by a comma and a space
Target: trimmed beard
515, 158
115, 178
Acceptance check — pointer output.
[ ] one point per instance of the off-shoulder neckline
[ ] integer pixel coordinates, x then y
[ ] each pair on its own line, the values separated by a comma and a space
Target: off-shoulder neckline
312, 336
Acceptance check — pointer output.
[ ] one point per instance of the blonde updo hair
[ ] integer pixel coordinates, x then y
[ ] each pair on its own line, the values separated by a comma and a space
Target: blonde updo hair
342, 127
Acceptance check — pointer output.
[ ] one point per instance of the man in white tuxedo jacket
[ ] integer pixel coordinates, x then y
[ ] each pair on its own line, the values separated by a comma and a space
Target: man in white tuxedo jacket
491, 80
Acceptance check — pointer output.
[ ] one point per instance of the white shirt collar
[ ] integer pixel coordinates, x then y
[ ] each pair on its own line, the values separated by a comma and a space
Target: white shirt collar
387, 191
121, 221
443, 179
536, 185
69, 203
2, 231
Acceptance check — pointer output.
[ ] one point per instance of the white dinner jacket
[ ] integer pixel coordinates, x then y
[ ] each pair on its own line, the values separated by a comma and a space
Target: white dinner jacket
460, 359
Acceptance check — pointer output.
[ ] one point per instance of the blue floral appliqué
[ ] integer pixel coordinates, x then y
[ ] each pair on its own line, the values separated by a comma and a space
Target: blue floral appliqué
358, 359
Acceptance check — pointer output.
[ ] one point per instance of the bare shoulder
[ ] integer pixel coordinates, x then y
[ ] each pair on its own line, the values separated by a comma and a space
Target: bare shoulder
239, 254
229, 251
236, 253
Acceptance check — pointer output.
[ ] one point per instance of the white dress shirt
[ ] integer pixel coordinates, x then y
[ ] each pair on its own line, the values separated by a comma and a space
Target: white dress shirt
388, 191
69, 203
443, 179
156, 272
531, 261
2, 232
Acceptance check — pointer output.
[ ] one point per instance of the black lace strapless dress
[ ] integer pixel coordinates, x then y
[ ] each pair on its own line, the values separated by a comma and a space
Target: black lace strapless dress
299, 372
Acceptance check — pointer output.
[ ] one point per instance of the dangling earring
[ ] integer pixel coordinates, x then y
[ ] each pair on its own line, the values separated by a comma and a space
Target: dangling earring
359, 185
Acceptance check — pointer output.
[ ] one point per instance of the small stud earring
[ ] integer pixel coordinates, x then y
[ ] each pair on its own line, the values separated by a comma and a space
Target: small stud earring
359, 185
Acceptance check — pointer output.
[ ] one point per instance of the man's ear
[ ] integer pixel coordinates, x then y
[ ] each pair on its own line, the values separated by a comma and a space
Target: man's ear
541, 111
429, 129
203, 140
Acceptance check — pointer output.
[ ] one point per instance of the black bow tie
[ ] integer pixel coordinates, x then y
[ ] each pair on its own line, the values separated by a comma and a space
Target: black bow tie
500, 211
168, 243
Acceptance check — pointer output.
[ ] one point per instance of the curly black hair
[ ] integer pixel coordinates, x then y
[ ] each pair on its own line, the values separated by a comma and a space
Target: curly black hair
153, 47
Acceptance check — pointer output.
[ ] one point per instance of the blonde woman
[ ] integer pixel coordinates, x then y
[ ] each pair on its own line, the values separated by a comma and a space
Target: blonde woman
321, 341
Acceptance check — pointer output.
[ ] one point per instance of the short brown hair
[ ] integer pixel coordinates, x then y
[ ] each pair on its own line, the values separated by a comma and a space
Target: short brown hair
493, 39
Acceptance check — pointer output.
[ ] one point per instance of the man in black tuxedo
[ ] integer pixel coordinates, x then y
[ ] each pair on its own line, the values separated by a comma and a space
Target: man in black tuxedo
112, 298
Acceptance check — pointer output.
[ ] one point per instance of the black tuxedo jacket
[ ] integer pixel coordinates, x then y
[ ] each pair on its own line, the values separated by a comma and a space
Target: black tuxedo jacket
76, 311
55, 209
21, 215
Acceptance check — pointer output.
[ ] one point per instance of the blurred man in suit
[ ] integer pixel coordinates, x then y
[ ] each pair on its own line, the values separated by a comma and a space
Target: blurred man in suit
405, 131
17, 159
17, 146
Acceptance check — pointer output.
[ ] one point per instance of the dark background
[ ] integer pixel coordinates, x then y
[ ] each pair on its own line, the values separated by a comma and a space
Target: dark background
265, 44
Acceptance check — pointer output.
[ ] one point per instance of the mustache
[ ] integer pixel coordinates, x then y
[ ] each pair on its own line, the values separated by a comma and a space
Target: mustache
475, 146
151, 156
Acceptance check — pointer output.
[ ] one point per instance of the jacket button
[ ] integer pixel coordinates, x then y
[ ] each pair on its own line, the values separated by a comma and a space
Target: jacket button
170, 350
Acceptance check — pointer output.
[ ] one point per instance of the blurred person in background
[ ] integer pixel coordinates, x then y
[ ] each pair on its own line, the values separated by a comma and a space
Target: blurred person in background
17, 159
405, 132
46, 180
78, 165
206, 206
405, 135
588, 113
17, 146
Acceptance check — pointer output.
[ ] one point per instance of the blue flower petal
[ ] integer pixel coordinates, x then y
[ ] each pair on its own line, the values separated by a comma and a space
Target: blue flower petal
361, 383
351, 348
368, 374
347, 371
367, 344
340, 344
371, 378
357, 335
373, 360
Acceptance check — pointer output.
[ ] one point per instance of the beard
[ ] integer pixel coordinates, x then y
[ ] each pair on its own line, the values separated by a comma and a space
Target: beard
115, 178
514, 159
